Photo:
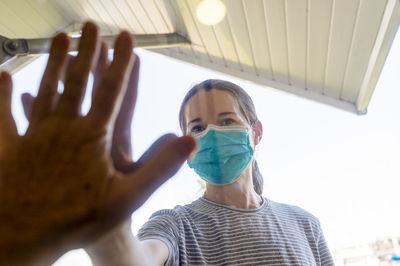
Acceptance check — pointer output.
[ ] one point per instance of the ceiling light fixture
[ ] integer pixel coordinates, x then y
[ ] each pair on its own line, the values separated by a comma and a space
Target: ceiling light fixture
75, 34
211, 12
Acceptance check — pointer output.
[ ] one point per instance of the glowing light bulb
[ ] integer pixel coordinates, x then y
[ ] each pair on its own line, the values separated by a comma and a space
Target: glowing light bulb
211, 12
75, 34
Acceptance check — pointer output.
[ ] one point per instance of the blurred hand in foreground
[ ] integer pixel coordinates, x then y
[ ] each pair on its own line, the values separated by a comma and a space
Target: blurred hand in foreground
59, 189
121, 148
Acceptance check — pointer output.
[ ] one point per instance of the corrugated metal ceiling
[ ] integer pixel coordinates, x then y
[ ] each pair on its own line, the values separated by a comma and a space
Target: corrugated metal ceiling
331, 51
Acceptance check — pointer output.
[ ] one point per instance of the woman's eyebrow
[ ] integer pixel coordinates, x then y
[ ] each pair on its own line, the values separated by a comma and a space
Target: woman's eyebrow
195, 120
226, 113
220, 114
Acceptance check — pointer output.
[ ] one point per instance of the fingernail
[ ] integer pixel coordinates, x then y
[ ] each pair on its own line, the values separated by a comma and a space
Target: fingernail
124, 39
60, 39
125, 36
88, 27
4, 75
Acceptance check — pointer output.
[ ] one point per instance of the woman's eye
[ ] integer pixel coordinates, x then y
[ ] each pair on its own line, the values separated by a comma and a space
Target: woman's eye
197, 129
227, 121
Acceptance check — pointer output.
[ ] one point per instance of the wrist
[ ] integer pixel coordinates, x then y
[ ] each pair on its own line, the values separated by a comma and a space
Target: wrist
116, 245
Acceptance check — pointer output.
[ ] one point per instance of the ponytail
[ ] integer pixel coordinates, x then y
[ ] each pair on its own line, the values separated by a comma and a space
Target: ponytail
258, 180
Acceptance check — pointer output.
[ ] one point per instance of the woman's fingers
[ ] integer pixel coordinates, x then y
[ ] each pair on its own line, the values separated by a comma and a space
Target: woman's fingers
43, 104
7, 123
155, 148
132, 191
122, 147
124, 164
163, 162
128, 104
68, 62
27, 101
77, 76
100, 67
112, 87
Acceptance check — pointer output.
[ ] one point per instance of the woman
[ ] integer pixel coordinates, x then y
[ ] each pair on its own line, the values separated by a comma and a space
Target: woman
232, 224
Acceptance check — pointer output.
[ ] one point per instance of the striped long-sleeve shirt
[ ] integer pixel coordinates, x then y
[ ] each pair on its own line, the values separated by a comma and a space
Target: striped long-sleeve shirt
207, 233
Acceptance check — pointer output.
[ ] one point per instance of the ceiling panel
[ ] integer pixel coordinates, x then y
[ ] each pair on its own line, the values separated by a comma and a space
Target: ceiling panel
318, 31
207, 34
330, 51
296, 31
227, 45
387, 30
365, 37
259, 37
115, 15
237, 20
129, 17
185, 23
277, 40
13, 22
341, 30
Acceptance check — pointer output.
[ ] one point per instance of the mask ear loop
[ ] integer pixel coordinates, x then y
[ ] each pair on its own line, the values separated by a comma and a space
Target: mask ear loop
255, 150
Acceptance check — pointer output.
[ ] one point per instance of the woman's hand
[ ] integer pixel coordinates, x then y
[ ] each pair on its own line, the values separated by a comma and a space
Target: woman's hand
121, 148
58, 187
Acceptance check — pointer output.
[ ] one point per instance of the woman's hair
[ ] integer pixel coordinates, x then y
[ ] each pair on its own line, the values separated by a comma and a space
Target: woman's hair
246, 106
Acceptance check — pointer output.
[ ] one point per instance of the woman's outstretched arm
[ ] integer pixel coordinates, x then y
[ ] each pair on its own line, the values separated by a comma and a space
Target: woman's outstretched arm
120, 248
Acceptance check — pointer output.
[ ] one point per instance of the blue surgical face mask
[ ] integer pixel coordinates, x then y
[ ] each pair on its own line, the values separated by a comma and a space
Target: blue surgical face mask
223, 154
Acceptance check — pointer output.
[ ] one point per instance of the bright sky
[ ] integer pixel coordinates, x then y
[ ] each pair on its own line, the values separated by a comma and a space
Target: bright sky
341, 167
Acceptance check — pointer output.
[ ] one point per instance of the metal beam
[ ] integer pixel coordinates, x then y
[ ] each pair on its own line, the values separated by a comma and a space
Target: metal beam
11, 48
15, 63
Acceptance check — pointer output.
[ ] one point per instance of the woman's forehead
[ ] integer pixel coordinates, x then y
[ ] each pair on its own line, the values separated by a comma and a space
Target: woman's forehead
210, 102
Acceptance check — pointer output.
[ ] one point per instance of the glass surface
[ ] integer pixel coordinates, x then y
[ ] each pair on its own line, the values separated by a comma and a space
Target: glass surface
342, 168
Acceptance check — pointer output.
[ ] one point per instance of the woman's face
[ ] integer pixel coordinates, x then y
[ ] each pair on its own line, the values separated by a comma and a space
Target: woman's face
212, 107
